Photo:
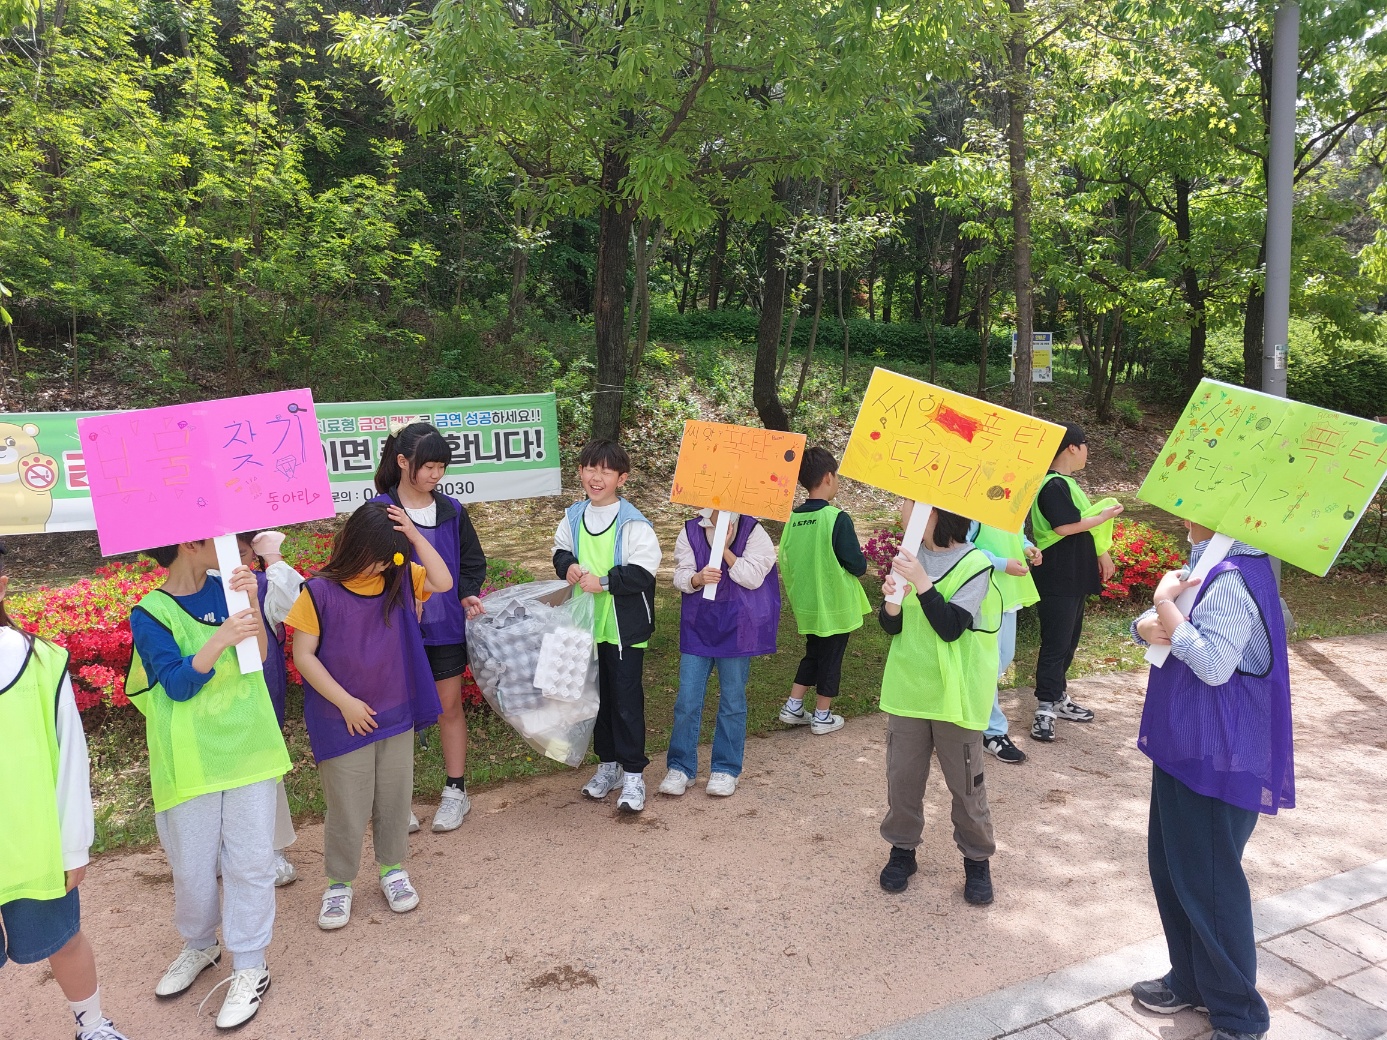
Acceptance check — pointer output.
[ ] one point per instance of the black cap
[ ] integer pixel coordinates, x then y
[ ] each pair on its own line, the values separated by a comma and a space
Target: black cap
1073, 434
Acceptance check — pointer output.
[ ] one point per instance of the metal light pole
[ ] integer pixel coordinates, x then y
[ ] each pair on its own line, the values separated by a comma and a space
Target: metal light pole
1285, 68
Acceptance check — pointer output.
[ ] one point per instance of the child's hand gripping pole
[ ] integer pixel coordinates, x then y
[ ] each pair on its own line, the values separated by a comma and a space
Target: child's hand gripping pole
1214, 553
228, 559
718, 547
910, 542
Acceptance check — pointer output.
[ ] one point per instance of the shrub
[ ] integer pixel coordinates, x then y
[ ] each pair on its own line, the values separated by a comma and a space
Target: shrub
1142, 555
1128, 411
881, 549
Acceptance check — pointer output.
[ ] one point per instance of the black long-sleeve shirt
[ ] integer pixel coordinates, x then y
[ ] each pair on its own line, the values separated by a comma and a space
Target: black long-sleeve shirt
846, 547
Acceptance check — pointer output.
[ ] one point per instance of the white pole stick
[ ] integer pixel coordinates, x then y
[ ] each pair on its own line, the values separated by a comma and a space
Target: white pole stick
1214, 553
228, 559
718, 547
910, 542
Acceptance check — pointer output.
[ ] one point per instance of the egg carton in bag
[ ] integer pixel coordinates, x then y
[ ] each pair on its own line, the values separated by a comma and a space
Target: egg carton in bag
562, 669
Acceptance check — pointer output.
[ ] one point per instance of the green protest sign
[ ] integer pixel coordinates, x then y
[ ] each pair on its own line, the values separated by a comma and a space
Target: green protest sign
503, 447
1285, 477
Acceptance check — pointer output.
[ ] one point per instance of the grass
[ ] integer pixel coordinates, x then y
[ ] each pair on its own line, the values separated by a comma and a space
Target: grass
1322, 607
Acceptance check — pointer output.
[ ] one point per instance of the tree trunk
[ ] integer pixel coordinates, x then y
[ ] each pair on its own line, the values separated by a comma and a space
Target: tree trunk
1189, 279
1022, 391
715, 267
872, 287
984, 329
609, 296
958, 279
765, 392
809, 348
646, 246
888, 293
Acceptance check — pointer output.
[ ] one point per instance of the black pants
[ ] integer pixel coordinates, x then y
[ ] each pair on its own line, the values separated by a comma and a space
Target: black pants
822, 664
1194, 848
620, 733
1061, 622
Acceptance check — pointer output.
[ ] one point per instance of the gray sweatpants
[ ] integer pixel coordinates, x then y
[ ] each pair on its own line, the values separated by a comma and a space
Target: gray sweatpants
235, 827
909, 743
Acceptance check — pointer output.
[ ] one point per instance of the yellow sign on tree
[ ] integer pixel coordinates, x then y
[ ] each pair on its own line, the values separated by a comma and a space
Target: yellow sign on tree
1285, 477
950, 450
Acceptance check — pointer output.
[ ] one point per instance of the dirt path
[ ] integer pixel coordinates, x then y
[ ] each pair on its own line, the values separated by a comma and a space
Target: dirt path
757, 916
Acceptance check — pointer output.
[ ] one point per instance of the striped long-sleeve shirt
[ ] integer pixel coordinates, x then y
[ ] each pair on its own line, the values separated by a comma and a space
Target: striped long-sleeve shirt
1225, 632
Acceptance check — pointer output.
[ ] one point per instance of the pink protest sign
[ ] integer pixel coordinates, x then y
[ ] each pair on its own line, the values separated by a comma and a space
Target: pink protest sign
191, 471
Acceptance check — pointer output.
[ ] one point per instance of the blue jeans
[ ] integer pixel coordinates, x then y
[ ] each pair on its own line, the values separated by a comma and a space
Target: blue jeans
1006, 653
729, 738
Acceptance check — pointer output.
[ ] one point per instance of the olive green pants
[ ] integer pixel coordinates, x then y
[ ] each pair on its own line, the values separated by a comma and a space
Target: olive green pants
373, 783
909, 743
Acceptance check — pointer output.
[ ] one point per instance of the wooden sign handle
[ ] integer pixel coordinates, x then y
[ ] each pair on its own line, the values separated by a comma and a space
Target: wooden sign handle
1214, 554
910, 542
228, 559
718, 547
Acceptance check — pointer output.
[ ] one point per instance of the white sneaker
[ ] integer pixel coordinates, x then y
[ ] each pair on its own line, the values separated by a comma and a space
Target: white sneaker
676, 782
103, 1030
795, 718
830, 725
604, 781
247, 988
413, 824
399, 893
454, 806
285, 874
632, 797
185, 969
721, 785
337, 908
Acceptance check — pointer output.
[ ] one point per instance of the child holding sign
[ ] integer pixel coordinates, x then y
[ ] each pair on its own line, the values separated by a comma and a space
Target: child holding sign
937, 693
725, 632
412, 462
45, 801
821, 560
367, 686
1066, 526
604, 546
215, 757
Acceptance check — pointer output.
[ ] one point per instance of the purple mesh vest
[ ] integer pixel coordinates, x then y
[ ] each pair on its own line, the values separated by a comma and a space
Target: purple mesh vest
276, 669
444, 622
1230, 742
739, 622
385, 666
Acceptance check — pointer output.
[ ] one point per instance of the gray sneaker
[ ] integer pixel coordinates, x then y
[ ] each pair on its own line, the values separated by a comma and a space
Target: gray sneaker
608, 777
451, 809
632, 797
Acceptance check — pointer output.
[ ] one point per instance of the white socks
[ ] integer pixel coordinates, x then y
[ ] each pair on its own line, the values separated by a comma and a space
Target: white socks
87, 1012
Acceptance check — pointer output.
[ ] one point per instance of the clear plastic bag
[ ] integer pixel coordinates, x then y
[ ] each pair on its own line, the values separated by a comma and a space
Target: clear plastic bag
533, 656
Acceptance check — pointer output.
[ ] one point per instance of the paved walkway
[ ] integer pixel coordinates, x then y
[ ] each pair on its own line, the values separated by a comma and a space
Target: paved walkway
1322, 967
760, 915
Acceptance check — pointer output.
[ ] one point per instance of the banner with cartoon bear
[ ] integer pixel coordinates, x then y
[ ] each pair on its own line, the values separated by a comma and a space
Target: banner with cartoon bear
503, 448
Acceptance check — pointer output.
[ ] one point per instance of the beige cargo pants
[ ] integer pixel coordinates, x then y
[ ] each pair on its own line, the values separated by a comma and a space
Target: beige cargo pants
909, 743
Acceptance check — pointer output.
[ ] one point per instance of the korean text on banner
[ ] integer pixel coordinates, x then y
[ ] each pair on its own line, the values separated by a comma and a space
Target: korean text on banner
502, 447
1285, 477
738, 469
192, 471
949, 450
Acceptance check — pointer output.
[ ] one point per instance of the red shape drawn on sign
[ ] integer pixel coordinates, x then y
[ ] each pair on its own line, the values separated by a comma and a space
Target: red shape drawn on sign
957, 422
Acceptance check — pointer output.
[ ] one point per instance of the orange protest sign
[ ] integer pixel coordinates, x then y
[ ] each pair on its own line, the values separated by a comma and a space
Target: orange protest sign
949, 450
739, 469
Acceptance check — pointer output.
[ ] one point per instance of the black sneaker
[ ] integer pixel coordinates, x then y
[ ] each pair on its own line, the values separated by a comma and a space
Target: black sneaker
1230, 1034
1066, 709
1002, 749
1043, 728
977, 889
1156, 996
896, 874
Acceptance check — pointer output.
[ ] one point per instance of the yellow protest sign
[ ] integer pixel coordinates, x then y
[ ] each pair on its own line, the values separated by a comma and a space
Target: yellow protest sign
1285, 477
950, 450
739, 469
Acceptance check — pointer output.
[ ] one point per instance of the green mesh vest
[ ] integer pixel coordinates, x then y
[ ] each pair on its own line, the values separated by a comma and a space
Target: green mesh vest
31, 852
226, 736
1016, 591
595, 555
826, 599
1045, 534
928, 678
